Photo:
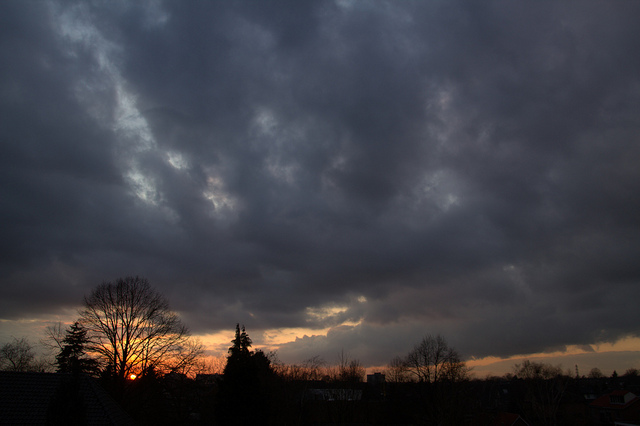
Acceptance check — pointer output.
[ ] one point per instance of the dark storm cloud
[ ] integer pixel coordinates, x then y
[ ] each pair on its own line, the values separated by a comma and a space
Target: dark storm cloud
452, 167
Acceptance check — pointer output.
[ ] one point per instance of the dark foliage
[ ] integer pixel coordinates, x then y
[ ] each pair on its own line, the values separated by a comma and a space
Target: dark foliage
245, 395
72, 357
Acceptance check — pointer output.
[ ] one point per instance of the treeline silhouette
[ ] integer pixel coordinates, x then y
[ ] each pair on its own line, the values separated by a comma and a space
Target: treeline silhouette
128, 339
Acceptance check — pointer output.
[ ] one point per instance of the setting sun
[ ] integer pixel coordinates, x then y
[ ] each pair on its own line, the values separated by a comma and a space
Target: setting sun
132, 377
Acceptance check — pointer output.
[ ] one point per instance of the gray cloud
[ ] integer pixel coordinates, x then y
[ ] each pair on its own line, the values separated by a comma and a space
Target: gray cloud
452, 167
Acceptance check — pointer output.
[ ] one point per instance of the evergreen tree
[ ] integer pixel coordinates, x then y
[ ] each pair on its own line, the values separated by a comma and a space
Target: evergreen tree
72, 357
241, 343
248, 376
245, 341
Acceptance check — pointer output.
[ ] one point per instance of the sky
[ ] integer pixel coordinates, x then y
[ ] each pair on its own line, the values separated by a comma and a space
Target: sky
335, 175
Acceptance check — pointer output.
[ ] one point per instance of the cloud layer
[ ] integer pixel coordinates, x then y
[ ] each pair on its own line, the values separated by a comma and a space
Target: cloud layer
377, 170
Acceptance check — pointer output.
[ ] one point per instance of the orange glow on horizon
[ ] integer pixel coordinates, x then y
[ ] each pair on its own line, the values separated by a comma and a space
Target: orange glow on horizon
619, 356
568, 359
625, 344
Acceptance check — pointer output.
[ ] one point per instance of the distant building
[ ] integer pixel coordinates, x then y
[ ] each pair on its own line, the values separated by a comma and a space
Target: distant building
375, 379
